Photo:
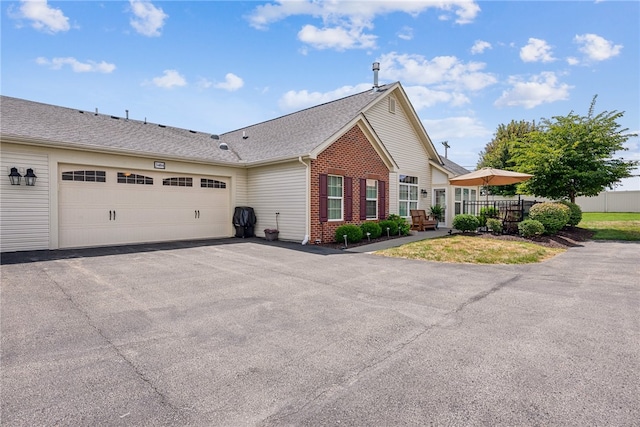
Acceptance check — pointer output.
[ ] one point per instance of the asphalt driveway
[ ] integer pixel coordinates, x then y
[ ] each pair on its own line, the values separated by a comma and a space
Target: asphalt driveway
249, 333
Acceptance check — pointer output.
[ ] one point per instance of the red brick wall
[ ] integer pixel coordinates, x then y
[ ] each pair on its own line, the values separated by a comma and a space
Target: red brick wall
351, 155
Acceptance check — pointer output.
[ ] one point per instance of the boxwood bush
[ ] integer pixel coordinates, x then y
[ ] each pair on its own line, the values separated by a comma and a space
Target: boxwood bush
486, 213
530, 228
353, 232
494, 225
392, 225
575, 214
402, 224
553, 216
371, 227
466, 222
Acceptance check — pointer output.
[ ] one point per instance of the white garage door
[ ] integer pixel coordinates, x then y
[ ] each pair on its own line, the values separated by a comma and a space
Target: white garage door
102, 206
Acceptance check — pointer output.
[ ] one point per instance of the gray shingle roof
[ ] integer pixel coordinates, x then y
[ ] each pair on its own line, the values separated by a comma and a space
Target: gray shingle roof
297, 134
289, 136
452, 167
69, 127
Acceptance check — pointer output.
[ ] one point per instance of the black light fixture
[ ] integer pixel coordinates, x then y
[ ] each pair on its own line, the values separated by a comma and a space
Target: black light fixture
15, 176
30, 178
424, 192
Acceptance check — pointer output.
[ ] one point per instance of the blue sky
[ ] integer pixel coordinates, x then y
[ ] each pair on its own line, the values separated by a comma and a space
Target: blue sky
215, 66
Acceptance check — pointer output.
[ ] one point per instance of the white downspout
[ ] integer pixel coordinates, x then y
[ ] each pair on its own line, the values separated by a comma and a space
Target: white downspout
307, 201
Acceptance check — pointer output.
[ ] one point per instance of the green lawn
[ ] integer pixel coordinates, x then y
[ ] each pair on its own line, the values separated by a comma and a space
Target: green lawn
612, 225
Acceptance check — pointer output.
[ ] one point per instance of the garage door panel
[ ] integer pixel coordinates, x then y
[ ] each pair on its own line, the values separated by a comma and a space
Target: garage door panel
105, 213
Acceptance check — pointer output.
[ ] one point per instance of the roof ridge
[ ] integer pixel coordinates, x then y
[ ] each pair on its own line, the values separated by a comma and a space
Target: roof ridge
385, 86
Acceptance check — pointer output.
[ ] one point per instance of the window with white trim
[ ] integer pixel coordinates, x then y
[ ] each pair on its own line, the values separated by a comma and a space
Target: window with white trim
86, 176
408, 195
335, 198
212, 183
372, 199
132, 178
179, 181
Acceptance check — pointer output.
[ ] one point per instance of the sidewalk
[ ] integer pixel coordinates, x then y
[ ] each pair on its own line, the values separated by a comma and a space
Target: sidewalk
413, 237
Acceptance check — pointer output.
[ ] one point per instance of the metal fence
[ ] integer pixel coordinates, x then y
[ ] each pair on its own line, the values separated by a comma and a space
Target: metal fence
510, 212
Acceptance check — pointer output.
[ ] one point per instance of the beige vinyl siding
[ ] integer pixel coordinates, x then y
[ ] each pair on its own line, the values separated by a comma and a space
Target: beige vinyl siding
280, 188
393, 193
399, 136
24, 211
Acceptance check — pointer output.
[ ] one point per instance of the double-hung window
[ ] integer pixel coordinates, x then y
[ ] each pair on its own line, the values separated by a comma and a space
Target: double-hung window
372, 199
335, 198
408, 197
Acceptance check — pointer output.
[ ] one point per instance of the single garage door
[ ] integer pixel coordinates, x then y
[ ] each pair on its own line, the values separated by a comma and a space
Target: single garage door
102, 206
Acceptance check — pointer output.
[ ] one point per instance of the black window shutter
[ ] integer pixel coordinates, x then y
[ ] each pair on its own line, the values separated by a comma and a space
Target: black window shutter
363, 198
348, 198
382, 199
323, 192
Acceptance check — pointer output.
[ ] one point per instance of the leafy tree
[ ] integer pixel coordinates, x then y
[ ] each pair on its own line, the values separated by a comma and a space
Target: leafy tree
573, 155
498, 152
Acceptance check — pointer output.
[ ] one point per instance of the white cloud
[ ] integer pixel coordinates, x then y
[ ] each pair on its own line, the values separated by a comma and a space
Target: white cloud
169, 80
406, 33
540, 89
446, 72
296, 100
44, 17
456, 127
480, 46
231, 83
571, 60
597, 48
148, 20
422, 97
536, 50
77, 66
338, 38
345, 22
204, 83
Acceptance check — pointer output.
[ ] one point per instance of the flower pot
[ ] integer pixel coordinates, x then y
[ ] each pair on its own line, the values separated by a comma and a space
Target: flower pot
271, 235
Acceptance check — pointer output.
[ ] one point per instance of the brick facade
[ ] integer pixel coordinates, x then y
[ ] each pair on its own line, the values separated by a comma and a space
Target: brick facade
352, 156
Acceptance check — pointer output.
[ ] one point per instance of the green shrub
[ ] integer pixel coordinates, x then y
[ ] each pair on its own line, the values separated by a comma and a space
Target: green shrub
387, 223
494, 225
465, 222
485, 213
575, 214
373, 228
553, 216
353, 232
530, 228
402, 224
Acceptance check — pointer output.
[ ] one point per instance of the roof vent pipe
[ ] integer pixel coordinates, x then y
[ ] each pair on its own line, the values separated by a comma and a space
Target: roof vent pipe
376, 68
127, 113
96, 111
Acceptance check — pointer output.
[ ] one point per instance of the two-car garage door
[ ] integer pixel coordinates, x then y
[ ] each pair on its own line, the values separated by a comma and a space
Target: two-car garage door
103, 206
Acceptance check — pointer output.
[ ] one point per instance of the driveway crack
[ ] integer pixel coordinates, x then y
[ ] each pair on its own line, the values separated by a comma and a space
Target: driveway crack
163, 399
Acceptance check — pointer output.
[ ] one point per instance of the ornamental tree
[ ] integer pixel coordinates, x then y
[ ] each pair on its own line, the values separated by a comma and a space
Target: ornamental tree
574, 155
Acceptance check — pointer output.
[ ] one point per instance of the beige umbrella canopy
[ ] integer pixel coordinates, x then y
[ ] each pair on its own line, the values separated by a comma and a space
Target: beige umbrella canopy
489, 176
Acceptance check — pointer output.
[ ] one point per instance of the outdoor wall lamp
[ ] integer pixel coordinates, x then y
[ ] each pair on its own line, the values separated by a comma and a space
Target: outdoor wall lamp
30, 178
424, 192
15, 176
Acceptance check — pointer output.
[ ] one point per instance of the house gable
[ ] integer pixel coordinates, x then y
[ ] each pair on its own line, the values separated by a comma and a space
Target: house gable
354, 157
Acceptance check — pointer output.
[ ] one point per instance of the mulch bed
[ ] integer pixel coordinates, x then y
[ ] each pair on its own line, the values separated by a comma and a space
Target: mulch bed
567, 238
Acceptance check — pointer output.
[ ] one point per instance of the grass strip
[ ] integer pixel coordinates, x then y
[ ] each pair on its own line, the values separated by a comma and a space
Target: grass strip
472, 250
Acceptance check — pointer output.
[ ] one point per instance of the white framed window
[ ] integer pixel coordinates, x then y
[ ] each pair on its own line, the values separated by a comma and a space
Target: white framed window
408, 195
464, 195
335, 197
372, 199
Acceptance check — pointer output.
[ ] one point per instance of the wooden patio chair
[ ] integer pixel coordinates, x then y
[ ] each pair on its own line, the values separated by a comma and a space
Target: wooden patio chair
420, 221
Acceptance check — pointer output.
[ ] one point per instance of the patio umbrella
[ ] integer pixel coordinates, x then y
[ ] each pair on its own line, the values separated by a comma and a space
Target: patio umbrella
490, 176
